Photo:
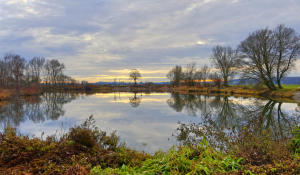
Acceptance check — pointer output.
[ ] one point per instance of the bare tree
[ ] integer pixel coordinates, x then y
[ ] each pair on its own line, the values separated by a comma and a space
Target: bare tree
175, 75
189, 74
35, 67
16, 65
286, 51
3, 73
16, 71
259, 59
54, 71
216, 79
226, 60
204, 71
134, 75
270, 54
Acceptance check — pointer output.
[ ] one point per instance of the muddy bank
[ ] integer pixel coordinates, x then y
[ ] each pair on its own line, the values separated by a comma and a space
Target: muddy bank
296, 97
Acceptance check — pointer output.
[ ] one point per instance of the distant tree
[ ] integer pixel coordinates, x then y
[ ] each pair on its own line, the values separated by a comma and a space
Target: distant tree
189, 74
287, 50
134, 75
203, 74
226, 60
216, 79
83, 82
16, 68
35, 67
16, 71
54, 71
175, 75
3, 73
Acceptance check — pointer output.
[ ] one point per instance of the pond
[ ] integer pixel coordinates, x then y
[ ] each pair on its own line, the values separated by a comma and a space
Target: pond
149, 122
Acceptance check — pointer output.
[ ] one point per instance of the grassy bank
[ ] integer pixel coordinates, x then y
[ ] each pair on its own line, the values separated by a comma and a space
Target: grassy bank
87, 150
90, 88
286, 93
6, 94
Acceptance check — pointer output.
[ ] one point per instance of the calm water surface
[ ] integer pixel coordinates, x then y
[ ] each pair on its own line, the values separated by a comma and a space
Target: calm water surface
148, 122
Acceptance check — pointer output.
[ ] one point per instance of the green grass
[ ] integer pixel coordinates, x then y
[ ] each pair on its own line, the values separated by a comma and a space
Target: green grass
291, 86
185, 160
285, 86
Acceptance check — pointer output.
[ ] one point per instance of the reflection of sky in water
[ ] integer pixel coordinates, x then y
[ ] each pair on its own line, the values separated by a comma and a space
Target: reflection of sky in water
149, 126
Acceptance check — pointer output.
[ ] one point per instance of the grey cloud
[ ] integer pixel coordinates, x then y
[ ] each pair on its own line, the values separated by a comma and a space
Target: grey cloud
94, 36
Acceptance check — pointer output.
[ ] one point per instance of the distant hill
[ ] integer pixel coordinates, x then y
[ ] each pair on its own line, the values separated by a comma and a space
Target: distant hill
291, 80
286, 80
125, 83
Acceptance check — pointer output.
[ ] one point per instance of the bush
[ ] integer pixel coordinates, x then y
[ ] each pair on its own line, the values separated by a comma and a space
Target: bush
82, 136
88, 134
295, 142
75, 153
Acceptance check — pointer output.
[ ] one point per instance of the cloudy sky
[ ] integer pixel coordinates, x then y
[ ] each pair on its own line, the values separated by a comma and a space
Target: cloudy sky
99, 40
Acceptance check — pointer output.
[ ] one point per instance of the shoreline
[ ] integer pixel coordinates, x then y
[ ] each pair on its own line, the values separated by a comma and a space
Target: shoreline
284, 95
85, 149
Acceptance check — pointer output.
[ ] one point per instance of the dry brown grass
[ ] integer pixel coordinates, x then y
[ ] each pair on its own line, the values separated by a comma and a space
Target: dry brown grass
5, 94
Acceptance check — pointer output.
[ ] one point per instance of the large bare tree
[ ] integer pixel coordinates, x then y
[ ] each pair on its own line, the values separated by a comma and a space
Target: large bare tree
259, 57
226, 60
270, 54
287, 50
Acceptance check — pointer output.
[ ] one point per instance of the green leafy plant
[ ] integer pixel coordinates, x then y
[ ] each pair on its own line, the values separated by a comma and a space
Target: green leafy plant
295, 142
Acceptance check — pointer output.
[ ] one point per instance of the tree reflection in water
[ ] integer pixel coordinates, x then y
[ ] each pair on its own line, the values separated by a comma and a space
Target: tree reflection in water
49, 106
223, 119
135, 101
298, 108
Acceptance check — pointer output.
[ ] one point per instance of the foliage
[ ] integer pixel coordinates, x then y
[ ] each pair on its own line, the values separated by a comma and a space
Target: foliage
295, 142
88, 150
201, 159
79, 150
89, 135
262, 154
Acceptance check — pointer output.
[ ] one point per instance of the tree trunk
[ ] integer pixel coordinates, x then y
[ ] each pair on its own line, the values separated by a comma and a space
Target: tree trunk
279, 83
225, 81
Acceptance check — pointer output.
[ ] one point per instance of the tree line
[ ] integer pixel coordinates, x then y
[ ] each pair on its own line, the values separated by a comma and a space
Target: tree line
266, 56
16, 72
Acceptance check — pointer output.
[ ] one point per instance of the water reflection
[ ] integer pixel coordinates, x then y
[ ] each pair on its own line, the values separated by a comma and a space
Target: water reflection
135, 101
225, 117
150, 119
49, 106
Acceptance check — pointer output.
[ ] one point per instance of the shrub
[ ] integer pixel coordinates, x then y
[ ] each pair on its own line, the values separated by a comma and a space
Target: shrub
75, 153
82, 136
88, 134
295, 142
